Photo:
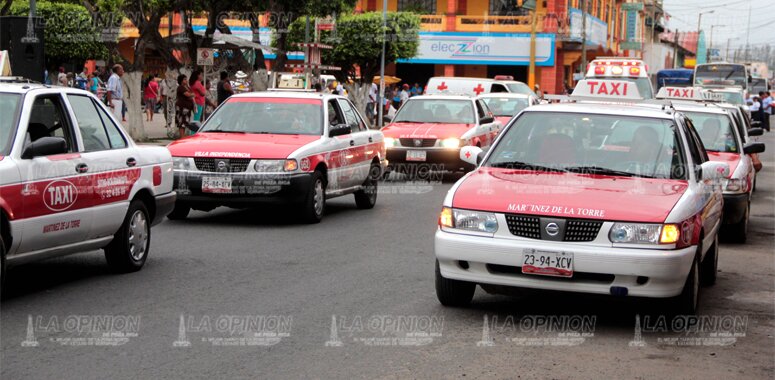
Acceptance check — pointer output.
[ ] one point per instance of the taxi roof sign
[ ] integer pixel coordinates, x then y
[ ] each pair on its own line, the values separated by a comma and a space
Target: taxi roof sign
687, 93
608, 89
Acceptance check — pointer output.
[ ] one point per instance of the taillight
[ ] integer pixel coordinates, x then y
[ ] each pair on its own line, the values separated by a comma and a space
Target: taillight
635, 71
599, 70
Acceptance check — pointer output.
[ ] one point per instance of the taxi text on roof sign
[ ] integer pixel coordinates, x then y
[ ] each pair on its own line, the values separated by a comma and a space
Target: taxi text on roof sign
688, 93
606, 89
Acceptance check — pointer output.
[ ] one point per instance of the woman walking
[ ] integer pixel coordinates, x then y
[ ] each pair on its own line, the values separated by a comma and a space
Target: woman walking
151, 96
199, 94
183, 105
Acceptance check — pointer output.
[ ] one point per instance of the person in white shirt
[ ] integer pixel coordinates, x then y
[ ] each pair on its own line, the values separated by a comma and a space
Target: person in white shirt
115, 94
404, 95
372, 102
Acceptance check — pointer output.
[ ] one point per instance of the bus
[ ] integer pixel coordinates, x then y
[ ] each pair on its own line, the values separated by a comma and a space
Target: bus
721, 74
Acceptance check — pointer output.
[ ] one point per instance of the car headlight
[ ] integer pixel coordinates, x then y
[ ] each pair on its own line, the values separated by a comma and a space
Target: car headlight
468, 220
275, 166
181, 163
736, 185
641, 233
450, 143
390, 142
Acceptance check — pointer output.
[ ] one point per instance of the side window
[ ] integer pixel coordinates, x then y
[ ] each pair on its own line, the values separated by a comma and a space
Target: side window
498, 88
117, 140
93, 133
695, 150
48, 119
355, 122
482, 109
334, 115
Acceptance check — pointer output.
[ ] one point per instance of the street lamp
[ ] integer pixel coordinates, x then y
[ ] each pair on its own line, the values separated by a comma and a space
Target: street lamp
711, 39
699, 24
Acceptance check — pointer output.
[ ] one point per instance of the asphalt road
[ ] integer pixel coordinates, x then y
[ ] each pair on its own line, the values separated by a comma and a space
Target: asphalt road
257, 293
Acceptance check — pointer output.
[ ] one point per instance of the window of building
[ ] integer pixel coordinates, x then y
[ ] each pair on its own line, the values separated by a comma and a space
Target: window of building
506, 8
426, 7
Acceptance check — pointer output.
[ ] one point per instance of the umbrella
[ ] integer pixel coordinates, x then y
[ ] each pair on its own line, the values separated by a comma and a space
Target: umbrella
388, 79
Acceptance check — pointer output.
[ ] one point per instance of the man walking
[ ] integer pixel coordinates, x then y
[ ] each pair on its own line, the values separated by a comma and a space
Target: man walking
115, 94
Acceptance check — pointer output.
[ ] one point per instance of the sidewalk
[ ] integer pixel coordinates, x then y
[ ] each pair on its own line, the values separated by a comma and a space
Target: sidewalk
156, 131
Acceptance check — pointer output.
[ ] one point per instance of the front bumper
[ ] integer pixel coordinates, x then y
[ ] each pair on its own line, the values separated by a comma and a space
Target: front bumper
164, 205
735, 207
437, 159
497, 261
248, 189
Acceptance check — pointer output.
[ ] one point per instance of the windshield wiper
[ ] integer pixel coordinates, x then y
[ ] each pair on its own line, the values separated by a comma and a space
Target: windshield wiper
524, 165
223, 131
601, 170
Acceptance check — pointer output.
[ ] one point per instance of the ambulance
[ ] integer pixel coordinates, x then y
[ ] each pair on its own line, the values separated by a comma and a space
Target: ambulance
724, 142
474, 86
607, 197
622, 69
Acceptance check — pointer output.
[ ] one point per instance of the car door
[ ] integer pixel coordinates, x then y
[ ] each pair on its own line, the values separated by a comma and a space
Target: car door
109, 160
361, 138
56, 193
491, 129
713, 207
338, 149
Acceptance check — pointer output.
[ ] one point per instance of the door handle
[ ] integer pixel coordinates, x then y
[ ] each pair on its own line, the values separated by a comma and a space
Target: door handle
371, 139
81, 168
131, 161
352, 142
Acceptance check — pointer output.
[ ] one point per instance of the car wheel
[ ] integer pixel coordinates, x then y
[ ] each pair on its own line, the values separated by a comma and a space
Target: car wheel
2, 264
709, 267
179, 212
686, 303
738, 232
366, 198
315, 204
453, 292
129, 248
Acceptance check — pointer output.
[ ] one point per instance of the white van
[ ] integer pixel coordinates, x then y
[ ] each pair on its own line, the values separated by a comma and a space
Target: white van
474, 86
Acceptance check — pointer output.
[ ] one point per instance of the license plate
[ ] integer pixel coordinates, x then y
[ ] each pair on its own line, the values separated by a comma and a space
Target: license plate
216, 185
415, 155
547, 263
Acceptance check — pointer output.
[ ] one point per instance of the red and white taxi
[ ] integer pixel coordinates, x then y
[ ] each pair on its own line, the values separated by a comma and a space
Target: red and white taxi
599, 198
622, 69
724, 143
72, 180
504, 106
288, 147
430, 130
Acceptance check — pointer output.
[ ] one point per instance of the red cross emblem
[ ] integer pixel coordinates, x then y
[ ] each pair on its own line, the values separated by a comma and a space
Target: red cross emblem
468, 154
442, 86
478, 89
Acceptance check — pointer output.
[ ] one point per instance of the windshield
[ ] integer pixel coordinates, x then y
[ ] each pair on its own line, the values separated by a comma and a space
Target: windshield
284, 116
506, 106
9, 104
520, 88
436, 111
728, 75
604, 144
715, 130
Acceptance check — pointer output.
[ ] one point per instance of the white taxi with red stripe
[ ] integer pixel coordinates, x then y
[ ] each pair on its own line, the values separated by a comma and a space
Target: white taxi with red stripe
72, 180
278, 147
429, 130
585, 197
725, 142
622, 69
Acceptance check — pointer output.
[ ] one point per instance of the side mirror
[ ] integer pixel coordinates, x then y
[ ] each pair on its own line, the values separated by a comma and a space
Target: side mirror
472, 155
754, 147
194, 126
713, 170
338, 130
755, 131
45, 146
486, 120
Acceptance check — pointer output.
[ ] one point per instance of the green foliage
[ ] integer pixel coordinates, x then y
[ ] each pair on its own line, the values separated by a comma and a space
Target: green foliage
69, 33
357, 41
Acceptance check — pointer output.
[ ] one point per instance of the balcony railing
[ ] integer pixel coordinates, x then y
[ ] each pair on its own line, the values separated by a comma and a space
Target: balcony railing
513, 24
432, 23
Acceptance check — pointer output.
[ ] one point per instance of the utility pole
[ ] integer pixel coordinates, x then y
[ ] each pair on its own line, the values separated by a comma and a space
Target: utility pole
531, 72
728, 40
584, 37
380, 106
711, 40
748, 33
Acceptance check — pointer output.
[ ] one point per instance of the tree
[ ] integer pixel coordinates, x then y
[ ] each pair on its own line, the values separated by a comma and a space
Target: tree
357, 42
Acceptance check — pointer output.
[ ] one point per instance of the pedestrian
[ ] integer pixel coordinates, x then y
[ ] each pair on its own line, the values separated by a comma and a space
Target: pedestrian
195, 82
62, 77
404, 94
184, 104
82, 79
416, 90
93, 83
224, 89
164, 91
538, 92
767, 109
151, 96
210, 103
756, 109
115, 93
372, 102
396, 96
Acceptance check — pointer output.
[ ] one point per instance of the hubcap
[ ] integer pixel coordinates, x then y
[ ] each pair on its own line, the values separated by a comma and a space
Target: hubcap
138, 235
318, 199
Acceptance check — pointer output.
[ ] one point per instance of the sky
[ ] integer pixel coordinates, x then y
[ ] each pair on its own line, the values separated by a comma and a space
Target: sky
732, 14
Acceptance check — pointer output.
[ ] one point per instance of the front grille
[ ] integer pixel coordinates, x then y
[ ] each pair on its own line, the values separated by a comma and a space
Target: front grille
424, 143
525, 226
582, 230
234, 165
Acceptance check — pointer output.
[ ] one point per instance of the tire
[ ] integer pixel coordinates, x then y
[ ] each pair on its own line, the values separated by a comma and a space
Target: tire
709, 266
2, 264
314, 206
180, 211
366, 198
453, 293
738, 232
687, 302
129, 248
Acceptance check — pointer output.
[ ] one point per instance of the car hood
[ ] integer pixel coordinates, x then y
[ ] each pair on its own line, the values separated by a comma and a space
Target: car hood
569, 195
426, 130
732, 159
239, 145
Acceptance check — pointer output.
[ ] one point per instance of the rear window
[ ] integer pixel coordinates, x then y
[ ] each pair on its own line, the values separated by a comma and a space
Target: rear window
436, 111
506, 106
284, 116
716, 131
519, 88
9, 108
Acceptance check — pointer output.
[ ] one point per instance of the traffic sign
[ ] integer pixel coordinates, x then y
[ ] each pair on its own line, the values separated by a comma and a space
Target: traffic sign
204, 57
